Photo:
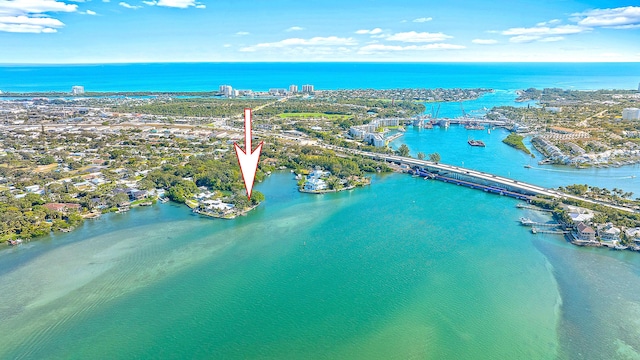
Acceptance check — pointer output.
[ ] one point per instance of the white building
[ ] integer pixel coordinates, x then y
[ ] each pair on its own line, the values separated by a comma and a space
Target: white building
631, 114
277, 92
579, 214
633, 233
315, 184
609, 233
293, 89
226, 90
307, 89
77, 90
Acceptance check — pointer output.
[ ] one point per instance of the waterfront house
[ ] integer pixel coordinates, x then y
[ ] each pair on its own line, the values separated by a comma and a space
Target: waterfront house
216, 205
633, 234
579, 214
62, 207
608, 232
137, 194
585, 232
317, 174
315, 184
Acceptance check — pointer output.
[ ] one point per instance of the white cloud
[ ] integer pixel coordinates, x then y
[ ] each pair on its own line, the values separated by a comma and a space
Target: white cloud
90, 12
413, 36
30, 16
622, 17
295, 28
422, 20
552, 39
128, 6
484, 41
181, 4
24, 7
550, 22
24, 24
378, 48
370, 32
243, 33
546, 30
324, 42
543, 33
524, 38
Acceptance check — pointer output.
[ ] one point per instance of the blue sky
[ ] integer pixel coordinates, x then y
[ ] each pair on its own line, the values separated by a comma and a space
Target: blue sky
101, 31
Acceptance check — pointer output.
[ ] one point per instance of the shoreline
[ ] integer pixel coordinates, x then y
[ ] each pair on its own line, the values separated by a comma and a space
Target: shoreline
226, 216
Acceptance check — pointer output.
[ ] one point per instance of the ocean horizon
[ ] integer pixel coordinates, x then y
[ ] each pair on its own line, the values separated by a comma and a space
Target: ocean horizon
261, 76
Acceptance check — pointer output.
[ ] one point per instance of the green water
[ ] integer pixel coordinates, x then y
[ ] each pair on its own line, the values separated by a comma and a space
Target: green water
403, 269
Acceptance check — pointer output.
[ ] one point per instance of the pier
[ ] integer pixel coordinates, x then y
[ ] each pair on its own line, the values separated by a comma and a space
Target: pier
528, 222
528, 207
535, 230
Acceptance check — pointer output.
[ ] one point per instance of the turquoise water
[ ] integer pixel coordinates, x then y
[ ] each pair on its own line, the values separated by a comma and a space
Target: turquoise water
498, 158
405, 268
325, 76
371, 273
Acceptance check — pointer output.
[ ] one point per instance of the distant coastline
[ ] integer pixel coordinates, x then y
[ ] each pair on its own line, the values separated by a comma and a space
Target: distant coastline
186, 77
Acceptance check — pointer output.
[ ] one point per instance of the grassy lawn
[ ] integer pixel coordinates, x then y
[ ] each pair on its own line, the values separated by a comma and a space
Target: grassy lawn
311, 115
46, 168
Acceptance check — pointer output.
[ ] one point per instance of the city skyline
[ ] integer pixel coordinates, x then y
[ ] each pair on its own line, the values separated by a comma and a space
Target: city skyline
112, 31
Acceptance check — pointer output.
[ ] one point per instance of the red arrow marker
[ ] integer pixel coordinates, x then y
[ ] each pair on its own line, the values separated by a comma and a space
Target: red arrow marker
248, 159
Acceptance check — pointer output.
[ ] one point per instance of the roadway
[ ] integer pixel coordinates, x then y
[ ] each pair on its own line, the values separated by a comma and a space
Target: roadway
524, 187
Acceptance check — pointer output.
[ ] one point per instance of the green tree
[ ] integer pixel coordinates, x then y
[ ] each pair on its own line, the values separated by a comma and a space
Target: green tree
403, 150
257, 197
434, 157
46, 160
421, 155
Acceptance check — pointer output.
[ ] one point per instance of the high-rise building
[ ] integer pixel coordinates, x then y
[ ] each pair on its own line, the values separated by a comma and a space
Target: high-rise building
293, 89
226, 90
307, 89
77, 90
631, 114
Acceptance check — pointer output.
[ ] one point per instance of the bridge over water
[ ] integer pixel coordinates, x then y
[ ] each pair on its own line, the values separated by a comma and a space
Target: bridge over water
478, 179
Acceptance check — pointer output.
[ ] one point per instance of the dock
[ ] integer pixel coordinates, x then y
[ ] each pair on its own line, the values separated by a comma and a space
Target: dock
528, 222
535, 230
529, 207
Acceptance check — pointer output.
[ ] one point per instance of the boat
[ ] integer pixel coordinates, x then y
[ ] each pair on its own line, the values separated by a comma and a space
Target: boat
526, 221
528, 166
620, 247
15, 242
476, 143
